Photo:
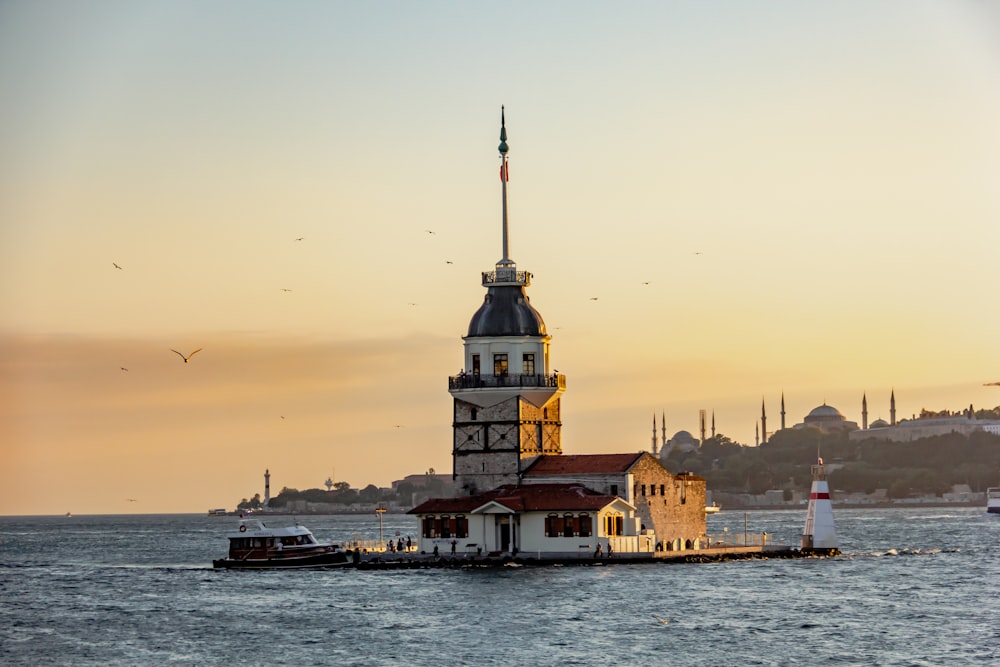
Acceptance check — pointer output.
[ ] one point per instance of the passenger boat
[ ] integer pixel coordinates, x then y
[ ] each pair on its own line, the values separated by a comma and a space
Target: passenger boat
993, 500
255, 546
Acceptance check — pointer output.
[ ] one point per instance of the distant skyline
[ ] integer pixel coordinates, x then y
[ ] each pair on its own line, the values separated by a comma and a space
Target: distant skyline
718, 204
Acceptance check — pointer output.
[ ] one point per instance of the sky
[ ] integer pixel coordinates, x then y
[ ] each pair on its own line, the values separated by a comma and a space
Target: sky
766, 199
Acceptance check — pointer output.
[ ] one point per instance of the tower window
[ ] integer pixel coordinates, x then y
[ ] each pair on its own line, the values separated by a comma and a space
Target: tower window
475, 365
528, 364
499, 365
472, 414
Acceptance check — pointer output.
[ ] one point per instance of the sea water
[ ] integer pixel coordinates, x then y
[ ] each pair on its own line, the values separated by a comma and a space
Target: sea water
913, 587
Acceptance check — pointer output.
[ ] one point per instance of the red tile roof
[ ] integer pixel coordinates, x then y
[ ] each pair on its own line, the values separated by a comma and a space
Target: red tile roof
581, 464
527, 498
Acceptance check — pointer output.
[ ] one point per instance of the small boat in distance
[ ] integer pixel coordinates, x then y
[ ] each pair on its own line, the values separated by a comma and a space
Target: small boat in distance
255, 546
217, 512
993, 500
712, 509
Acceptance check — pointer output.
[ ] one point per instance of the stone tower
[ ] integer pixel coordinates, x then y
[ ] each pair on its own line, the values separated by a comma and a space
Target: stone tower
506, 410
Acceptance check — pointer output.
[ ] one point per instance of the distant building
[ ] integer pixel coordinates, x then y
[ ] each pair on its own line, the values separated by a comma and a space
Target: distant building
827, 419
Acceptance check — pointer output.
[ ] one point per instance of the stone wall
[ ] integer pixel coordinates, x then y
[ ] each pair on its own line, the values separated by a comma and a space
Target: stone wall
672, 505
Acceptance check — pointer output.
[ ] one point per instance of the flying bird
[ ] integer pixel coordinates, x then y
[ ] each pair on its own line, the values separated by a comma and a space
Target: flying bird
123, 368
300, 238
663, 621
429, 231
593, 298
116, 266
448, 261
991, 384
188, 356
285, 289
131, 500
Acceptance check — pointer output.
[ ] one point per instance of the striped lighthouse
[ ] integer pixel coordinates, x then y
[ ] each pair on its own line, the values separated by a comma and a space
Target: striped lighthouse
820, 533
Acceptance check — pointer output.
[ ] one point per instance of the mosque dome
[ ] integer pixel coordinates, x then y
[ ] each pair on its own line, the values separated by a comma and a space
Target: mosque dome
879, 423
682, 437
824, 413
506, 312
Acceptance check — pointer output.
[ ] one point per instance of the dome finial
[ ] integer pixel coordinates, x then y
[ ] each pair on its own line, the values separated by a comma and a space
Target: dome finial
503, 134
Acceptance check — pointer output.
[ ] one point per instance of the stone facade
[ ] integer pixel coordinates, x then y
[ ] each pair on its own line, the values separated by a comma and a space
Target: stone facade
494, 444
672, 505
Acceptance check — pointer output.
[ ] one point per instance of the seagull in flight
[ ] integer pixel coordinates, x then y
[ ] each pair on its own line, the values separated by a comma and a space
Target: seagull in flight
131, 500
285, 289
188, 356
123, 368
300, 238
429, 231
663, 621
116, 266
991, 384
593, 298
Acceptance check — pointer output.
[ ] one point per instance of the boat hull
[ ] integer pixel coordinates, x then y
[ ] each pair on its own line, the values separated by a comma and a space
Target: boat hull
330, 559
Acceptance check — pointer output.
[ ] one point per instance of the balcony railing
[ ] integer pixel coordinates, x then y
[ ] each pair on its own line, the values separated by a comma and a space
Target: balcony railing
478, 381
506, 276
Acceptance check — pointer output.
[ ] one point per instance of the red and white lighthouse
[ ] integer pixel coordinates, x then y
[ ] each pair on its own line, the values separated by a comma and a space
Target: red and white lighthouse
820, 532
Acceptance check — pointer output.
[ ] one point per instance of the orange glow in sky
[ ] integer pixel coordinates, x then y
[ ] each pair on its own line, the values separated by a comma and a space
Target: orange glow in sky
762, 198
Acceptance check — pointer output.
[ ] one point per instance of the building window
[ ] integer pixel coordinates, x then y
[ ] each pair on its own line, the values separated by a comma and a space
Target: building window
643, 489
569, 525
553, 525
499, 365
663, 489
444, 523
652, 489
475, 365
528, 364
429, 527
461, 526
614, 489
613, 524
584, 523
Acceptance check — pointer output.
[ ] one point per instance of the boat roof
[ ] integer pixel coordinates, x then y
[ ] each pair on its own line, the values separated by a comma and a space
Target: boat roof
257, 528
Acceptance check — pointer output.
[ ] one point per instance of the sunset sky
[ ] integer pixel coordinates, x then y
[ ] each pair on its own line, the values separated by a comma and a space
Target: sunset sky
810, 190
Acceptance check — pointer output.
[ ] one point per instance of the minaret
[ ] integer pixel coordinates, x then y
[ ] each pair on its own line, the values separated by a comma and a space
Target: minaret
892, 408
506, 400
663, 429
763, 423
713, 424
267, 486
782, 411
820, 532
864, 412
701, 422
756, 435
655, 450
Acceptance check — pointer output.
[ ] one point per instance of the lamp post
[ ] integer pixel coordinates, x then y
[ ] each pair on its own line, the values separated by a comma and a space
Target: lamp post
380, 510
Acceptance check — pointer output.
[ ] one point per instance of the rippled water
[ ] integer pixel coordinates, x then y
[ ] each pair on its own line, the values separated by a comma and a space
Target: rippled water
914, 587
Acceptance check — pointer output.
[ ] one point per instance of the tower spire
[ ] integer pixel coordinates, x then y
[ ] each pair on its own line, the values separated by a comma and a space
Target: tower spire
504, 177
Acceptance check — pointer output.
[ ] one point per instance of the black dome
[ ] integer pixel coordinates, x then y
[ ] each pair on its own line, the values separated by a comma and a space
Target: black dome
506, 312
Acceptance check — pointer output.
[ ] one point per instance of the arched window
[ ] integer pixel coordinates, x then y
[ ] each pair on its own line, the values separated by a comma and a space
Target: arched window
584, 523
553, 525
445, 530
569, 525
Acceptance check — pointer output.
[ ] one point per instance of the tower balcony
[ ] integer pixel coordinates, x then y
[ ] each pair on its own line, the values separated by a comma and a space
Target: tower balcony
506, 275
484, 390
478, 381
